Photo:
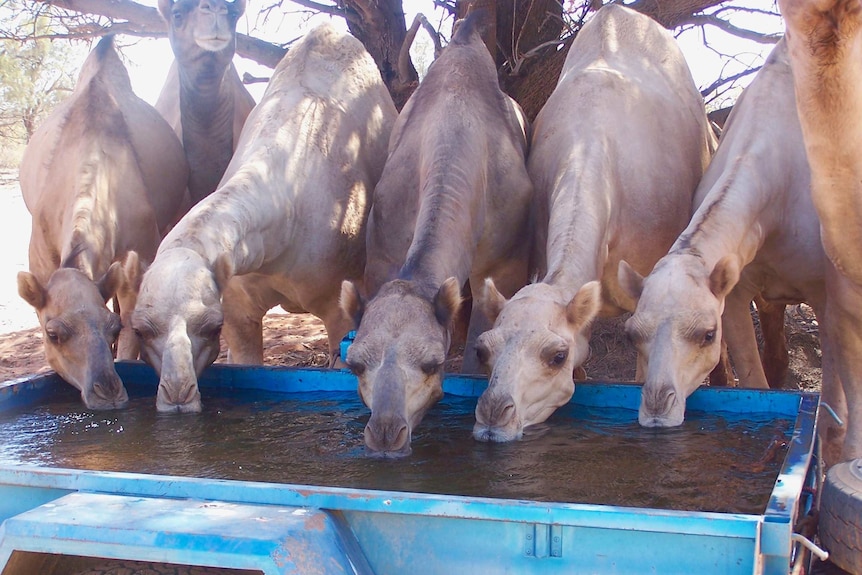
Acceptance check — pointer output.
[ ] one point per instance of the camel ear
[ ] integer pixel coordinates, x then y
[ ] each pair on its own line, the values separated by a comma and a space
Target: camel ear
165, 7
31, 290
447, 301
492, 300
239, 6
724, 276
109, 283
223, 272
351, 303
585, 306
631, 282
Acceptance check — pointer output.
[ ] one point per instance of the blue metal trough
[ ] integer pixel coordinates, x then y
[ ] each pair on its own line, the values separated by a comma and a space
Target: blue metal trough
306, 529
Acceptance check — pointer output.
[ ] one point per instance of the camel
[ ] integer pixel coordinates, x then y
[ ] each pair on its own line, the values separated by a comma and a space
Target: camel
825, 43
103, 177
286, 225
203, 97
756, 231
618, 179
453, 205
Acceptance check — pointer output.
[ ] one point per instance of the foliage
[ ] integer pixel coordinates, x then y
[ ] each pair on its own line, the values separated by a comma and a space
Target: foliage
35, 75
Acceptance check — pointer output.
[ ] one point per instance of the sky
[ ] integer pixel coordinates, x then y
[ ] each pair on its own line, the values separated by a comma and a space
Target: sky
149, 60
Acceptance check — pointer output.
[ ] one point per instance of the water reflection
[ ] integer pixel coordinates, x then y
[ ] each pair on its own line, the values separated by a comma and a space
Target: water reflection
599, 456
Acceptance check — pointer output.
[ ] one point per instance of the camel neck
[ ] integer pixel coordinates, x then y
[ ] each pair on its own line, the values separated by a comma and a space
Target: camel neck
207, 112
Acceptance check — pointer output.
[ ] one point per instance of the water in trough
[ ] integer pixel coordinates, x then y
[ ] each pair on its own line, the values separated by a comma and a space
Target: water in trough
581, 455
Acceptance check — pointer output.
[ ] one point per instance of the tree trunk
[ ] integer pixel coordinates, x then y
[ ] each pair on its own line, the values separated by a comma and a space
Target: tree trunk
380, 26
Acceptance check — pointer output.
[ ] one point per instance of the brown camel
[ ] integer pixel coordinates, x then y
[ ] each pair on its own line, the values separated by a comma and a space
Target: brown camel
453, 205
102, 176
824, 38
600, 209
286, 226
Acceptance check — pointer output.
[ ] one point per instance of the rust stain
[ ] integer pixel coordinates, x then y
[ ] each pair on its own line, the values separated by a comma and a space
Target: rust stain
315, 522
301, 555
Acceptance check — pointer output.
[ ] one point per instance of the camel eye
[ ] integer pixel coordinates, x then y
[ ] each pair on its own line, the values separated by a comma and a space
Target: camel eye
432, 367
633, 335
143, 330
482, 354
57, 332
559, 358
356, 368
114, 327
212, 332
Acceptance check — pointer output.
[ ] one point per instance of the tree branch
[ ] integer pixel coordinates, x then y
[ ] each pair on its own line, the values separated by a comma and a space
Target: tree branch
145, 21
712, 20
325, 8
672, 14
729, 80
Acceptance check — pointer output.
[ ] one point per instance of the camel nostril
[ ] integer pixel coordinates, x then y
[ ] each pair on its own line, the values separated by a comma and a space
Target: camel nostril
658, 401
388, 436
495, 411
188, 394
107, 389
506, 413
667, 398
401, 438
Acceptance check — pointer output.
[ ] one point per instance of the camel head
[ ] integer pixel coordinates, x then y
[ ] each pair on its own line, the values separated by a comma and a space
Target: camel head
398, 355
202, 32
79, 331
676, 328
539, 338
178, 320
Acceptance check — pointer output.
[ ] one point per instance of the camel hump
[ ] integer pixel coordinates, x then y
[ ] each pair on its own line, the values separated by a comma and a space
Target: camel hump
105, 45
471, 27
104, 62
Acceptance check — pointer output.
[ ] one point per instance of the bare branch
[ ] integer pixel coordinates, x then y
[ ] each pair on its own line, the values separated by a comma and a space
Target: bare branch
332, 10
435, 36
249, 79
729, 80
406, 73
712, 20
746, 9
521, 58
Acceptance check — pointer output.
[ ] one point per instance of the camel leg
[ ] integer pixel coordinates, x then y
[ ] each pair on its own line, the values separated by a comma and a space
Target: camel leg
830, 431
773, 356
461, 322
125, 300
479, 324
722, 374
843, 326
508, 278
739, 333
128, 345
337, 327
243, 322
640, 369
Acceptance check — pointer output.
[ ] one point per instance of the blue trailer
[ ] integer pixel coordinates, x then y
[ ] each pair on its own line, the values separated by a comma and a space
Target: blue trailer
275, 528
